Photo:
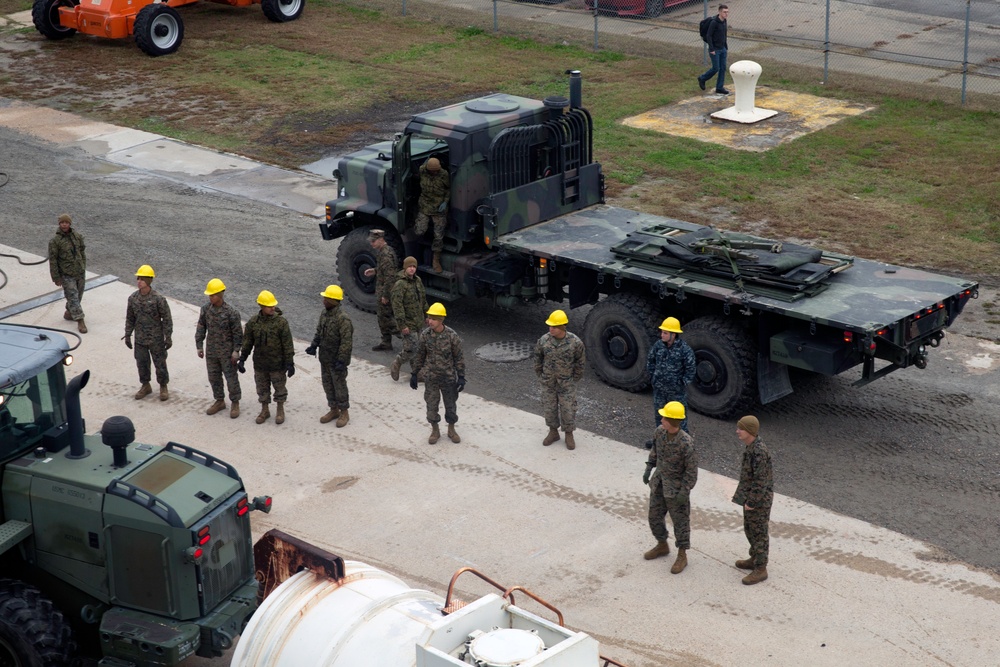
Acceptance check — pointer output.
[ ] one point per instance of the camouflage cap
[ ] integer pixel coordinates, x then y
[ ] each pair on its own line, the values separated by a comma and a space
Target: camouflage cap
376, 234
750, 424
433, 164
409, 261
65, 218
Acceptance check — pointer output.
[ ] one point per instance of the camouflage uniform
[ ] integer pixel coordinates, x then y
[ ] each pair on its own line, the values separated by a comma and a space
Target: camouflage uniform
559, 366
409, 303
671, 368
149, 317
386, 270
434, 190
676, 465
439, 355
756, 489
270, 340
68, 265
221, 331
334, 338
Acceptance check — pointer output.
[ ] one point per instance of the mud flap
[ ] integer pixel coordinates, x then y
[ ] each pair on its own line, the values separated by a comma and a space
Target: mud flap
772, 379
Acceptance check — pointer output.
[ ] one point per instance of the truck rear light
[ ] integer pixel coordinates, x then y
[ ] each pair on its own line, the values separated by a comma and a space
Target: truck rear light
848, 336
262, 503
203, 536
192, 555
242, 507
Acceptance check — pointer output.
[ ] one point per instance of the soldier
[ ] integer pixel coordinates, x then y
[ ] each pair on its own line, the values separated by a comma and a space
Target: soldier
435, 186
334, 338
676, 465
671, 367
148, 315
439, 355
386, 268
559, 360
755, 493
268, 336
219, 324
68, 268
408, 305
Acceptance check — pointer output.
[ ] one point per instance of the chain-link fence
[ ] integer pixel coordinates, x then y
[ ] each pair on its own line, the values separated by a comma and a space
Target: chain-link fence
950, 46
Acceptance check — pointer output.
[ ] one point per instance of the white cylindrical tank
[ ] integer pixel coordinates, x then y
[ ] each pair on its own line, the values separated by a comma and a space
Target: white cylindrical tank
369, 618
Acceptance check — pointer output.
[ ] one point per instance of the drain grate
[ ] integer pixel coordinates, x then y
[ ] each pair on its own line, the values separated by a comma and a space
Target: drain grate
505, 351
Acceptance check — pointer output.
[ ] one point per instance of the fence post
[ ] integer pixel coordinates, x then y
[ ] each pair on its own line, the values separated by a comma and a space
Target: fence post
596, 12
965, 55
826, 45
704, 49
495, 27
404, 7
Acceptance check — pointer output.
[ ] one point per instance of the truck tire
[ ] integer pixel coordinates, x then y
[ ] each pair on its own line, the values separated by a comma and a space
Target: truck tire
280, 11
45, 16
159, 30
33, 633
725, 382
618, 333
354, 255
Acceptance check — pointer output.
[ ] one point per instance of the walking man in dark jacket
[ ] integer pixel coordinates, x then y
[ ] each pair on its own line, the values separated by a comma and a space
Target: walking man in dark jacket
334, 339
718, 51
755, 493
68, 268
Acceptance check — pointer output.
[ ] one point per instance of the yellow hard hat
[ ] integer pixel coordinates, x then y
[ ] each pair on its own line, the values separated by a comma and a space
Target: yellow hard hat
145, 271
214, 287
265, 298
437, 310
557, 319
333, 292
672, 410
671, 324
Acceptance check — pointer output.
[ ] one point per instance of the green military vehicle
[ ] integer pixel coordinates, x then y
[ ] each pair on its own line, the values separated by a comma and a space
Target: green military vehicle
130, 554
527, 223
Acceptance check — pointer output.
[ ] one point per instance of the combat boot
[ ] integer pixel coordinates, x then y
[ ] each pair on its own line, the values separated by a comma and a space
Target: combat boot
81, 326
680, 563
218, 406
745, 564
436, 263
343, 418
435, 435
67, 316
758, 575
384, 345
661, 549
234, 410
570, 442
144, 391
553, 436
164, 394
264, 415
279, 415
394, 369
453, 434
329, 416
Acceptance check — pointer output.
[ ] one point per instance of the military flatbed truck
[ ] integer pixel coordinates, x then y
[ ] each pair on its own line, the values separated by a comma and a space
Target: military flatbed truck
527, 222
128, 554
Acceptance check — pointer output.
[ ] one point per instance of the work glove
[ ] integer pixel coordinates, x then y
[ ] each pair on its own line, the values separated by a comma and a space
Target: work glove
443, 207
682, 497
128, 341
413, 381
461, 382
645, 475
290, 369
339, 366
241, 367
311, 350
167, 344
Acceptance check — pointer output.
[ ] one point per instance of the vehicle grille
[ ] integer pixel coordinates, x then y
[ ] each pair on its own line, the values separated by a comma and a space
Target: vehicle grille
228, 562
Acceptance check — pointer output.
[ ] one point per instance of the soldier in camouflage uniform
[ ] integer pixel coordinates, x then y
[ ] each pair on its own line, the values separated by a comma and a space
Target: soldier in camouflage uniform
439, 356
385, 271
676, 465
755, 493
221, 331
671, 367
269, 337
559, 359
148, 315
68, 268
435, 187
409, 302
334, 339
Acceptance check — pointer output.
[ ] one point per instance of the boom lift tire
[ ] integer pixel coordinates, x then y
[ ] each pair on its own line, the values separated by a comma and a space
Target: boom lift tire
159, 29
280, 11
725, 383
33, 633
618, 333
356, 254
45, 16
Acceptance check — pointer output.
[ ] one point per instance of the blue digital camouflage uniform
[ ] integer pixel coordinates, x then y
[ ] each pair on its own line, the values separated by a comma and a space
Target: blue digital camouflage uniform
439, 356
676, 465
149, 317
221, 331
756, 489
671, 368
559, 367
335, 339
270, 339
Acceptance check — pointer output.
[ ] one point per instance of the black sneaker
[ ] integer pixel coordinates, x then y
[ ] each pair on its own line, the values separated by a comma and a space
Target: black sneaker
721, 91
701, 84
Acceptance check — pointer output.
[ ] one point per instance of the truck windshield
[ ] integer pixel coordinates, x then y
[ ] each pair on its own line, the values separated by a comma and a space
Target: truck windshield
29, 410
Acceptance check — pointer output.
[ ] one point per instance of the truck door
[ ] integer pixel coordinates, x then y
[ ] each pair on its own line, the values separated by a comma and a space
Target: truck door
402, 173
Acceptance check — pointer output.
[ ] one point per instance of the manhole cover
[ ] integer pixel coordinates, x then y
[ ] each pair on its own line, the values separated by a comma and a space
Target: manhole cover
505, 351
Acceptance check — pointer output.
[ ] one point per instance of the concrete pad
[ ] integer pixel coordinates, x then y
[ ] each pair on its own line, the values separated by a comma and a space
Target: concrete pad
51, 125
570, 526
798, 115
21, 18
179, 161
281, 187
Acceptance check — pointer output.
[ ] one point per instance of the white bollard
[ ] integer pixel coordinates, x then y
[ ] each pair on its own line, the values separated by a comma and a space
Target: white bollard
745, 74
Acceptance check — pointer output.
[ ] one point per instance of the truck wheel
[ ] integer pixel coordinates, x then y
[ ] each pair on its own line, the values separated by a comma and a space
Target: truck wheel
356, 255
33, 632
725, 381
618, 333
45, 16
159, 30
653, 8
280, 11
